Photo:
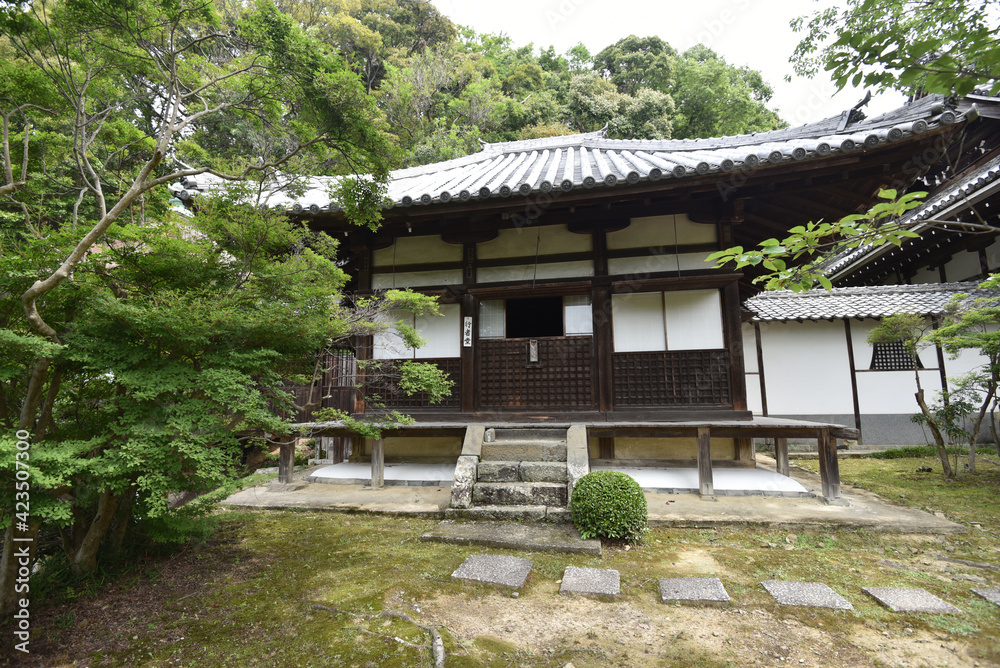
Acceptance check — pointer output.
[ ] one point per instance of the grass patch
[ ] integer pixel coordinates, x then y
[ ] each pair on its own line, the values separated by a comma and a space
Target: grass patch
246, 596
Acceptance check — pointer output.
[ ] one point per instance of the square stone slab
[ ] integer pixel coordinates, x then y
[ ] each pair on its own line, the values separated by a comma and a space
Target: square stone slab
693, 590
905, 599
991, 595
601, 582
809, 594
495, 569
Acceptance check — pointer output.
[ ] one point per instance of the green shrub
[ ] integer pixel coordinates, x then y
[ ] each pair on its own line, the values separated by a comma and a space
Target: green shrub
917, 451
609, 504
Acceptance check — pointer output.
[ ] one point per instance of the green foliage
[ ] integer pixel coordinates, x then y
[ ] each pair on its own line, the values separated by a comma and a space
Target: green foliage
939, 46
609, 504
715, 98
911, 451
796, 262
633, 63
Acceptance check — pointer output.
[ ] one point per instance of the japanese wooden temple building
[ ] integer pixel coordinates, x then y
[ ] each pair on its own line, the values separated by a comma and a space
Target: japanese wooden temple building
573, 284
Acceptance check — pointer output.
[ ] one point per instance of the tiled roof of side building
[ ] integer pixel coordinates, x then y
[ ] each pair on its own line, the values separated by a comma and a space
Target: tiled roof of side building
863, 302
964, 192
592, 160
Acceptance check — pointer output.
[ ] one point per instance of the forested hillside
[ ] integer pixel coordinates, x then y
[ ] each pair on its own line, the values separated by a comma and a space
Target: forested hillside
442, 88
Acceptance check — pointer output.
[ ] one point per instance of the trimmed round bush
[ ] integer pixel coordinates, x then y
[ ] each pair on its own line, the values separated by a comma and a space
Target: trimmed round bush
609, 504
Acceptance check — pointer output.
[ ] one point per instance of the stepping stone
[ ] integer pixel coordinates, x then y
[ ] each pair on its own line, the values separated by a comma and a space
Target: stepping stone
693, 590
905, 599
809, 594
601, 582
991, 595
495, 569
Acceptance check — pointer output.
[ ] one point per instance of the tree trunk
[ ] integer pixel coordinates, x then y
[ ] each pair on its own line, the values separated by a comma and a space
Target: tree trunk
45, 421
938, 438
85, 559
123, 516
33, 395
974, 438
10, 564
993, 426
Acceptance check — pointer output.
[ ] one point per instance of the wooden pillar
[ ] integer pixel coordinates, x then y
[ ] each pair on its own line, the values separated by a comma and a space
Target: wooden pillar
706, 487
744, 449
378, 463
760, 369
854, 375
734, 342
468, 381
781, 455
601, 298
286, 460
606, 448
829, 466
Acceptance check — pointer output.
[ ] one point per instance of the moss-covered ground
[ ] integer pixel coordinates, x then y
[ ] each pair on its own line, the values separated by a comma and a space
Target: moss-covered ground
306, 588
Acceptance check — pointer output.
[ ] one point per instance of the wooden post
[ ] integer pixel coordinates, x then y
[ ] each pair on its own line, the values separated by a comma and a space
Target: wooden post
781, 455
286, 460
378, 463
829, 467
467, 381
706, 487
606, 448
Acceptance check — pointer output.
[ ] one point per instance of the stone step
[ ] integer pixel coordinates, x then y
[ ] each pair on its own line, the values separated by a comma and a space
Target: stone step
518, 513
524, 451
527, 433
497, 471
543, 472
502, 471
519, 494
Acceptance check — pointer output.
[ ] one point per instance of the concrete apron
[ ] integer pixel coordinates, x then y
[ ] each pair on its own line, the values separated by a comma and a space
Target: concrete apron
864, 509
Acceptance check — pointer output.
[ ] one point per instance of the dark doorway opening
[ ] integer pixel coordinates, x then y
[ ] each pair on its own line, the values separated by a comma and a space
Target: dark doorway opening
534, 318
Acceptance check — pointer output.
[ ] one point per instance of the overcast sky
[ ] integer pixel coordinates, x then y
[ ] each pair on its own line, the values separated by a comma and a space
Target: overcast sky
745, 32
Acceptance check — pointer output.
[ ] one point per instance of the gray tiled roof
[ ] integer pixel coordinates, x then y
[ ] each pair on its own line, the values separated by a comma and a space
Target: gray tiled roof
964, 192
591, 160
865, 302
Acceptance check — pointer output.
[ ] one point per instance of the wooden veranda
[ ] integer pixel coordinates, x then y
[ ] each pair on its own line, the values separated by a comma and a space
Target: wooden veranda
826, 436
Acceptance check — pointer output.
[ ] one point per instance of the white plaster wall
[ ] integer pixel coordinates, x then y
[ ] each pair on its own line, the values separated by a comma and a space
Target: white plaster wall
694, 319
416, 279
926, 275
521, 242
886, 392
659, 231
749, 348
993, 255
417, 250
442, 333
648, 264
637, 322
963, 266
525, 272
806, 368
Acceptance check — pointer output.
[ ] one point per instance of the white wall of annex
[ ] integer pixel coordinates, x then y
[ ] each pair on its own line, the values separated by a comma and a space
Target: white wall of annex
806, 368
749, 348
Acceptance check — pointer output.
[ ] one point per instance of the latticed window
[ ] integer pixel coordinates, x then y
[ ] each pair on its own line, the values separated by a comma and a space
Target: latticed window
893, 357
